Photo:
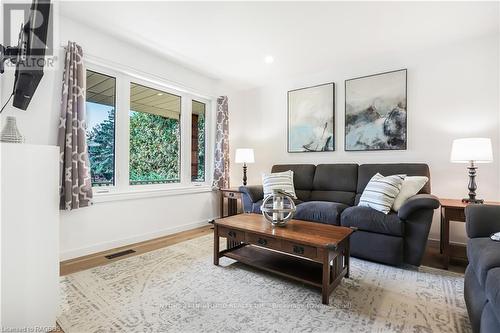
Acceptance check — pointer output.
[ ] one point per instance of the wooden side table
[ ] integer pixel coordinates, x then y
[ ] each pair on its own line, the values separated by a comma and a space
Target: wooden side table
451, 210
232, 196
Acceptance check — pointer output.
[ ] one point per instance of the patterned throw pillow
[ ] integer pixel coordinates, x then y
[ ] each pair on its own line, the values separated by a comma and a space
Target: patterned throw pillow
279, 181
381, 192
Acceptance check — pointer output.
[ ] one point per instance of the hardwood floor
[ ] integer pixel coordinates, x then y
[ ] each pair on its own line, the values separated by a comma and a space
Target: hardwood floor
98, 259
432, 258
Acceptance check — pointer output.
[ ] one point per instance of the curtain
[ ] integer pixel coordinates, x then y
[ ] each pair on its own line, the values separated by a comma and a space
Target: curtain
75, 182
221, 158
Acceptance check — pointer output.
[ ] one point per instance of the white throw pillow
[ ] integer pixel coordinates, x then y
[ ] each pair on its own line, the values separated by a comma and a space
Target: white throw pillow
411, 186
380, 192
278, 181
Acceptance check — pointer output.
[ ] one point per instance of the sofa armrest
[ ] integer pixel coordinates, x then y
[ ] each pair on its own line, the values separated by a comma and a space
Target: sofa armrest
416, 202
482, 220
254, 192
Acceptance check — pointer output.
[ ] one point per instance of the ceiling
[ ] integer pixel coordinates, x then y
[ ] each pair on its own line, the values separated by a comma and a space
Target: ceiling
229, 40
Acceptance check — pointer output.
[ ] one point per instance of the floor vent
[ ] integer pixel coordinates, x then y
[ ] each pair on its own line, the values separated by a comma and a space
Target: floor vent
119, 254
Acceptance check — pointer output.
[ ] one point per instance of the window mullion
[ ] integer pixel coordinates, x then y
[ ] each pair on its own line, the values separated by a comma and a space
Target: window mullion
186, 139
122, 133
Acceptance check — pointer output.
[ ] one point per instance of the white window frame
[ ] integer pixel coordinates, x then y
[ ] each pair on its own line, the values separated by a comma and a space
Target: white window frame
122, 190
207, 105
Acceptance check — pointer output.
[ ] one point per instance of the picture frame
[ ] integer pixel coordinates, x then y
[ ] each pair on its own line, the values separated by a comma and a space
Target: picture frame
311, 119
376, 112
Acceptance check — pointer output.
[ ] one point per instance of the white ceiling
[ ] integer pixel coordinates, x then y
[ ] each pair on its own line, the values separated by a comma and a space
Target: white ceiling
229, 40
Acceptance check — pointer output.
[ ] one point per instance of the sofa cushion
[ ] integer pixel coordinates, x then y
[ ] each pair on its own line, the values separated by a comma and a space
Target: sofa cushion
366, 172
256, 205
303, 174
336, 177
320, 211
483, 256
333, 196
368, 219
493, 289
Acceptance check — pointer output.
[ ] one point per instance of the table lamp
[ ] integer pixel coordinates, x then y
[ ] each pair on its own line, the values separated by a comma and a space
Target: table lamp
472, 151
244, 155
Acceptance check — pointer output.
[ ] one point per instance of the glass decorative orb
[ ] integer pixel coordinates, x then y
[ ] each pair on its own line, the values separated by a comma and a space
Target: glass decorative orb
278, 208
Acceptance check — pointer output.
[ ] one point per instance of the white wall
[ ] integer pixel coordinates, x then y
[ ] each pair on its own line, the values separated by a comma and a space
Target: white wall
452, 92
109, 224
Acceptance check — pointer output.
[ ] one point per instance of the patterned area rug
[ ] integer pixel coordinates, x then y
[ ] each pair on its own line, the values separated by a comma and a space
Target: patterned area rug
178, 289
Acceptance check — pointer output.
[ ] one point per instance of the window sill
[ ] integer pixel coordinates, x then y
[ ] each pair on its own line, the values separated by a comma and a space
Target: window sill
149, 193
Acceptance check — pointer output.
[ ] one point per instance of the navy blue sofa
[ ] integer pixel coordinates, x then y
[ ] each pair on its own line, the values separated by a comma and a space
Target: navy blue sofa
329, 193
482, 277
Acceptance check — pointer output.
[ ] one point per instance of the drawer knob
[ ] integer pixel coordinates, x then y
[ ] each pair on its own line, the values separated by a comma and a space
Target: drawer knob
298, 249
231, 234
262, 241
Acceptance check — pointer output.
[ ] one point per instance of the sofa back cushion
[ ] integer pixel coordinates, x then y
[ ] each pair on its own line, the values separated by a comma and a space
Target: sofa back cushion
367, 171
344, 183
303, 175
335, 182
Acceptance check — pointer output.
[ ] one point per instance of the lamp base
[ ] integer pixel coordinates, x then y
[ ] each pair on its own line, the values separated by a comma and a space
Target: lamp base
473, 201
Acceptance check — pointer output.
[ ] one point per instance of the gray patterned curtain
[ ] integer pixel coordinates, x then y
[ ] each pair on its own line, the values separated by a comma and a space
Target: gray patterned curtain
221, 160
75, 182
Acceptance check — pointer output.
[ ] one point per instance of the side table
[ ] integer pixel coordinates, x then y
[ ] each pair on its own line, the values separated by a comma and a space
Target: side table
231, 196
451, 210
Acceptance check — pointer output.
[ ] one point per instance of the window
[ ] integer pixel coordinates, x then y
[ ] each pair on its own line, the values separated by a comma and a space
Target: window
154, 136
144, 137
100, 105
198, 141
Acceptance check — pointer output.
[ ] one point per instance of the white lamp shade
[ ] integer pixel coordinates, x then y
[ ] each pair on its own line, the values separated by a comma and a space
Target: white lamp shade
244, 155
471, 149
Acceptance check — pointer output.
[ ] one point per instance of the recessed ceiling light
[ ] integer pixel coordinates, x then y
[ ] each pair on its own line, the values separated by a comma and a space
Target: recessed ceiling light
268, 59
159, 94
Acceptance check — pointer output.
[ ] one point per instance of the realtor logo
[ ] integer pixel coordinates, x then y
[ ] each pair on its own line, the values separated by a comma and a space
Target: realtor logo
29, 26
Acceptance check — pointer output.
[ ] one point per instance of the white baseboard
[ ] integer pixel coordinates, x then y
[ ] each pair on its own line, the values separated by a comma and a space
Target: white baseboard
83, 251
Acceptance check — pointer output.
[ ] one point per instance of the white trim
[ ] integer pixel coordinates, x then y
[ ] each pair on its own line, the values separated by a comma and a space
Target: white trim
122, 190
143, 193
96, 248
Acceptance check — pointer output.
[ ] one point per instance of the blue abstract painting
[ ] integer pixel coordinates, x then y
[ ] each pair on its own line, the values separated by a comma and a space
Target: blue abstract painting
311, 119
375, 112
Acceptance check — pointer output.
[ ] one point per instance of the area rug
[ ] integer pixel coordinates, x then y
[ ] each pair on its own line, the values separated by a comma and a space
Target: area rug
178, 289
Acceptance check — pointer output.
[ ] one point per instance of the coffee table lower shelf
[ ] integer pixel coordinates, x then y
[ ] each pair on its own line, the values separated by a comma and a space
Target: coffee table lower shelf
303, 270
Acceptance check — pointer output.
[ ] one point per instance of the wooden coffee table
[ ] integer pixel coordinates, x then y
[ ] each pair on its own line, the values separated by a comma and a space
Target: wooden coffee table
312, 253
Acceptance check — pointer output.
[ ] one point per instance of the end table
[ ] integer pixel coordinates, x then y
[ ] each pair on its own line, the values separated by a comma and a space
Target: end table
231, 196
451, 210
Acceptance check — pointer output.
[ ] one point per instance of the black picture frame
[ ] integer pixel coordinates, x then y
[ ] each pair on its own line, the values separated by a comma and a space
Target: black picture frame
333, 117
406, 114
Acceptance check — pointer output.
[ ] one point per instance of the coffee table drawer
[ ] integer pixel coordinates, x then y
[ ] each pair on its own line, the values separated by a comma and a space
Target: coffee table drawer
264, 241
300, 249
232, 234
